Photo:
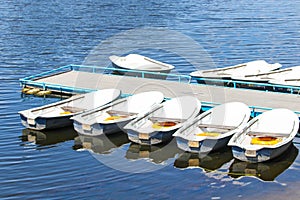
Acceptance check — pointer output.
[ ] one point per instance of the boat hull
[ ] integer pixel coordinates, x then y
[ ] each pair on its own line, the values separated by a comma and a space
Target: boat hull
157, 137
136, 73
97, 129
41, 123
262, 155
203, 146
215, 81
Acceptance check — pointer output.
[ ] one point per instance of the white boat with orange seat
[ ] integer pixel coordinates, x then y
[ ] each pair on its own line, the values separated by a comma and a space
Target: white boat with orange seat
212, 129
266, 136
113, 117
158, 125
57, 115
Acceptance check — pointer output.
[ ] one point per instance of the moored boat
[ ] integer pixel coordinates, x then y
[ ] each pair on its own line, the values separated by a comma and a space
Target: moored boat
266, 136
212, 129
280, 74
158, 125
57, 115
113, 117
141, 63
241, 70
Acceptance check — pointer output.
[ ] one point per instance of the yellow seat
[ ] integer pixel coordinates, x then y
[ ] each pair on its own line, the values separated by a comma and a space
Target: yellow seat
210, 134
65, 113
265, 140
114, 117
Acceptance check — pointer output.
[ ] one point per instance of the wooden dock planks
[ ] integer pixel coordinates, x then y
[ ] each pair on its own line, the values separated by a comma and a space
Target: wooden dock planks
205, 93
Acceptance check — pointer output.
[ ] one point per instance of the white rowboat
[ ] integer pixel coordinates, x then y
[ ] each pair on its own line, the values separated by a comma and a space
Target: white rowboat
265, 136
158, 125
212, 129
241, 70
57, 115
113, 117
141, 63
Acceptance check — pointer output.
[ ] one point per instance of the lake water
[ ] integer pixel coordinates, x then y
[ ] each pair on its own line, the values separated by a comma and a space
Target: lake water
38, 36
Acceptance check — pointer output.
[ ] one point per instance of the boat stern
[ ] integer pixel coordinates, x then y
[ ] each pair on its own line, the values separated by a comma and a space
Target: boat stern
156, 137
97, 129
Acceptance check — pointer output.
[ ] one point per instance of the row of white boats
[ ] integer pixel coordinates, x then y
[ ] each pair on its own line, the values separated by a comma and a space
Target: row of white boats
255, 71
149, 119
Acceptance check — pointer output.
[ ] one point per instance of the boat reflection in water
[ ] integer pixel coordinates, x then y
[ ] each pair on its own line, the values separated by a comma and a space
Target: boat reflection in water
208, 162
102, 144
154, 153
48, 137
266, 171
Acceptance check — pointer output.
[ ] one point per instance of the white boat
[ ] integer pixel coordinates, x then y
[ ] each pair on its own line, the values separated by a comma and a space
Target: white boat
158, 125
292, 80
241, 70
140, 63
212, 129
265, 136
113, 117
57, 115
277, 75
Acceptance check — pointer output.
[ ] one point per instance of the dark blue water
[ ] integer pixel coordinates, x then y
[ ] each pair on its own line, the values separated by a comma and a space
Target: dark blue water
38, 36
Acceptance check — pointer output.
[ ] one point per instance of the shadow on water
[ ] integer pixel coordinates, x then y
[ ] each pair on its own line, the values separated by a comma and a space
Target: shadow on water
47, 138
209, 162
155, 153
102, 144
266, 171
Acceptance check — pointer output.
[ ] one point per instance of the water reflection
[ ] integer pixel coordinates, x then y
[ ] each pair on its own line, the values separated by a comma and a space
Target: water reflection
49, 137
266, 171
208, 162
155, 153
102, 144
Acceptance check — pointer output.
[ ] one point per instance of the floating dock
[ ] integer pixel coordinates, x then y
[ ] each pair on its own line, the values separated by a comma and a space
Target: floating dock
73, 79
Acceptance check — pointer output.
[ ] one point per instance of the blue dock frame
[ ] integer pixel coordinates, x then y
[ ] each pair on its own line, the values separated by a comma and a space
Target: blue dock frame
31, 81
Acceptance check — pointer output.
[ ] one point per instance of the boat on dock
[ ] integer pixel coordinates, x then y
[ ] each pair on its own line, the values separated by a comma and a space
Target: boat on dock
241, 70
57, 115
280, 74
288, 81
140, 63
158, 125
211, 130
112, 117
266, 136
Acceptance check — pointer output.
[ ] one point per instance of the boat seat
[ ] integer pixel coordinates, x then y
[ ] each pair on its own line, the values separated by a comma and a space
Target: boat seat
265, 134
72, 109
120, 112
217, 126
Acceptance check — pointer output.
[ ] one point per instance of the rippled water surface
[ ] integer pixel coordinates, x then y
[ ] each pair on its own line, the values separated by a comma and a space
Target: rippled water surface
37, 36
